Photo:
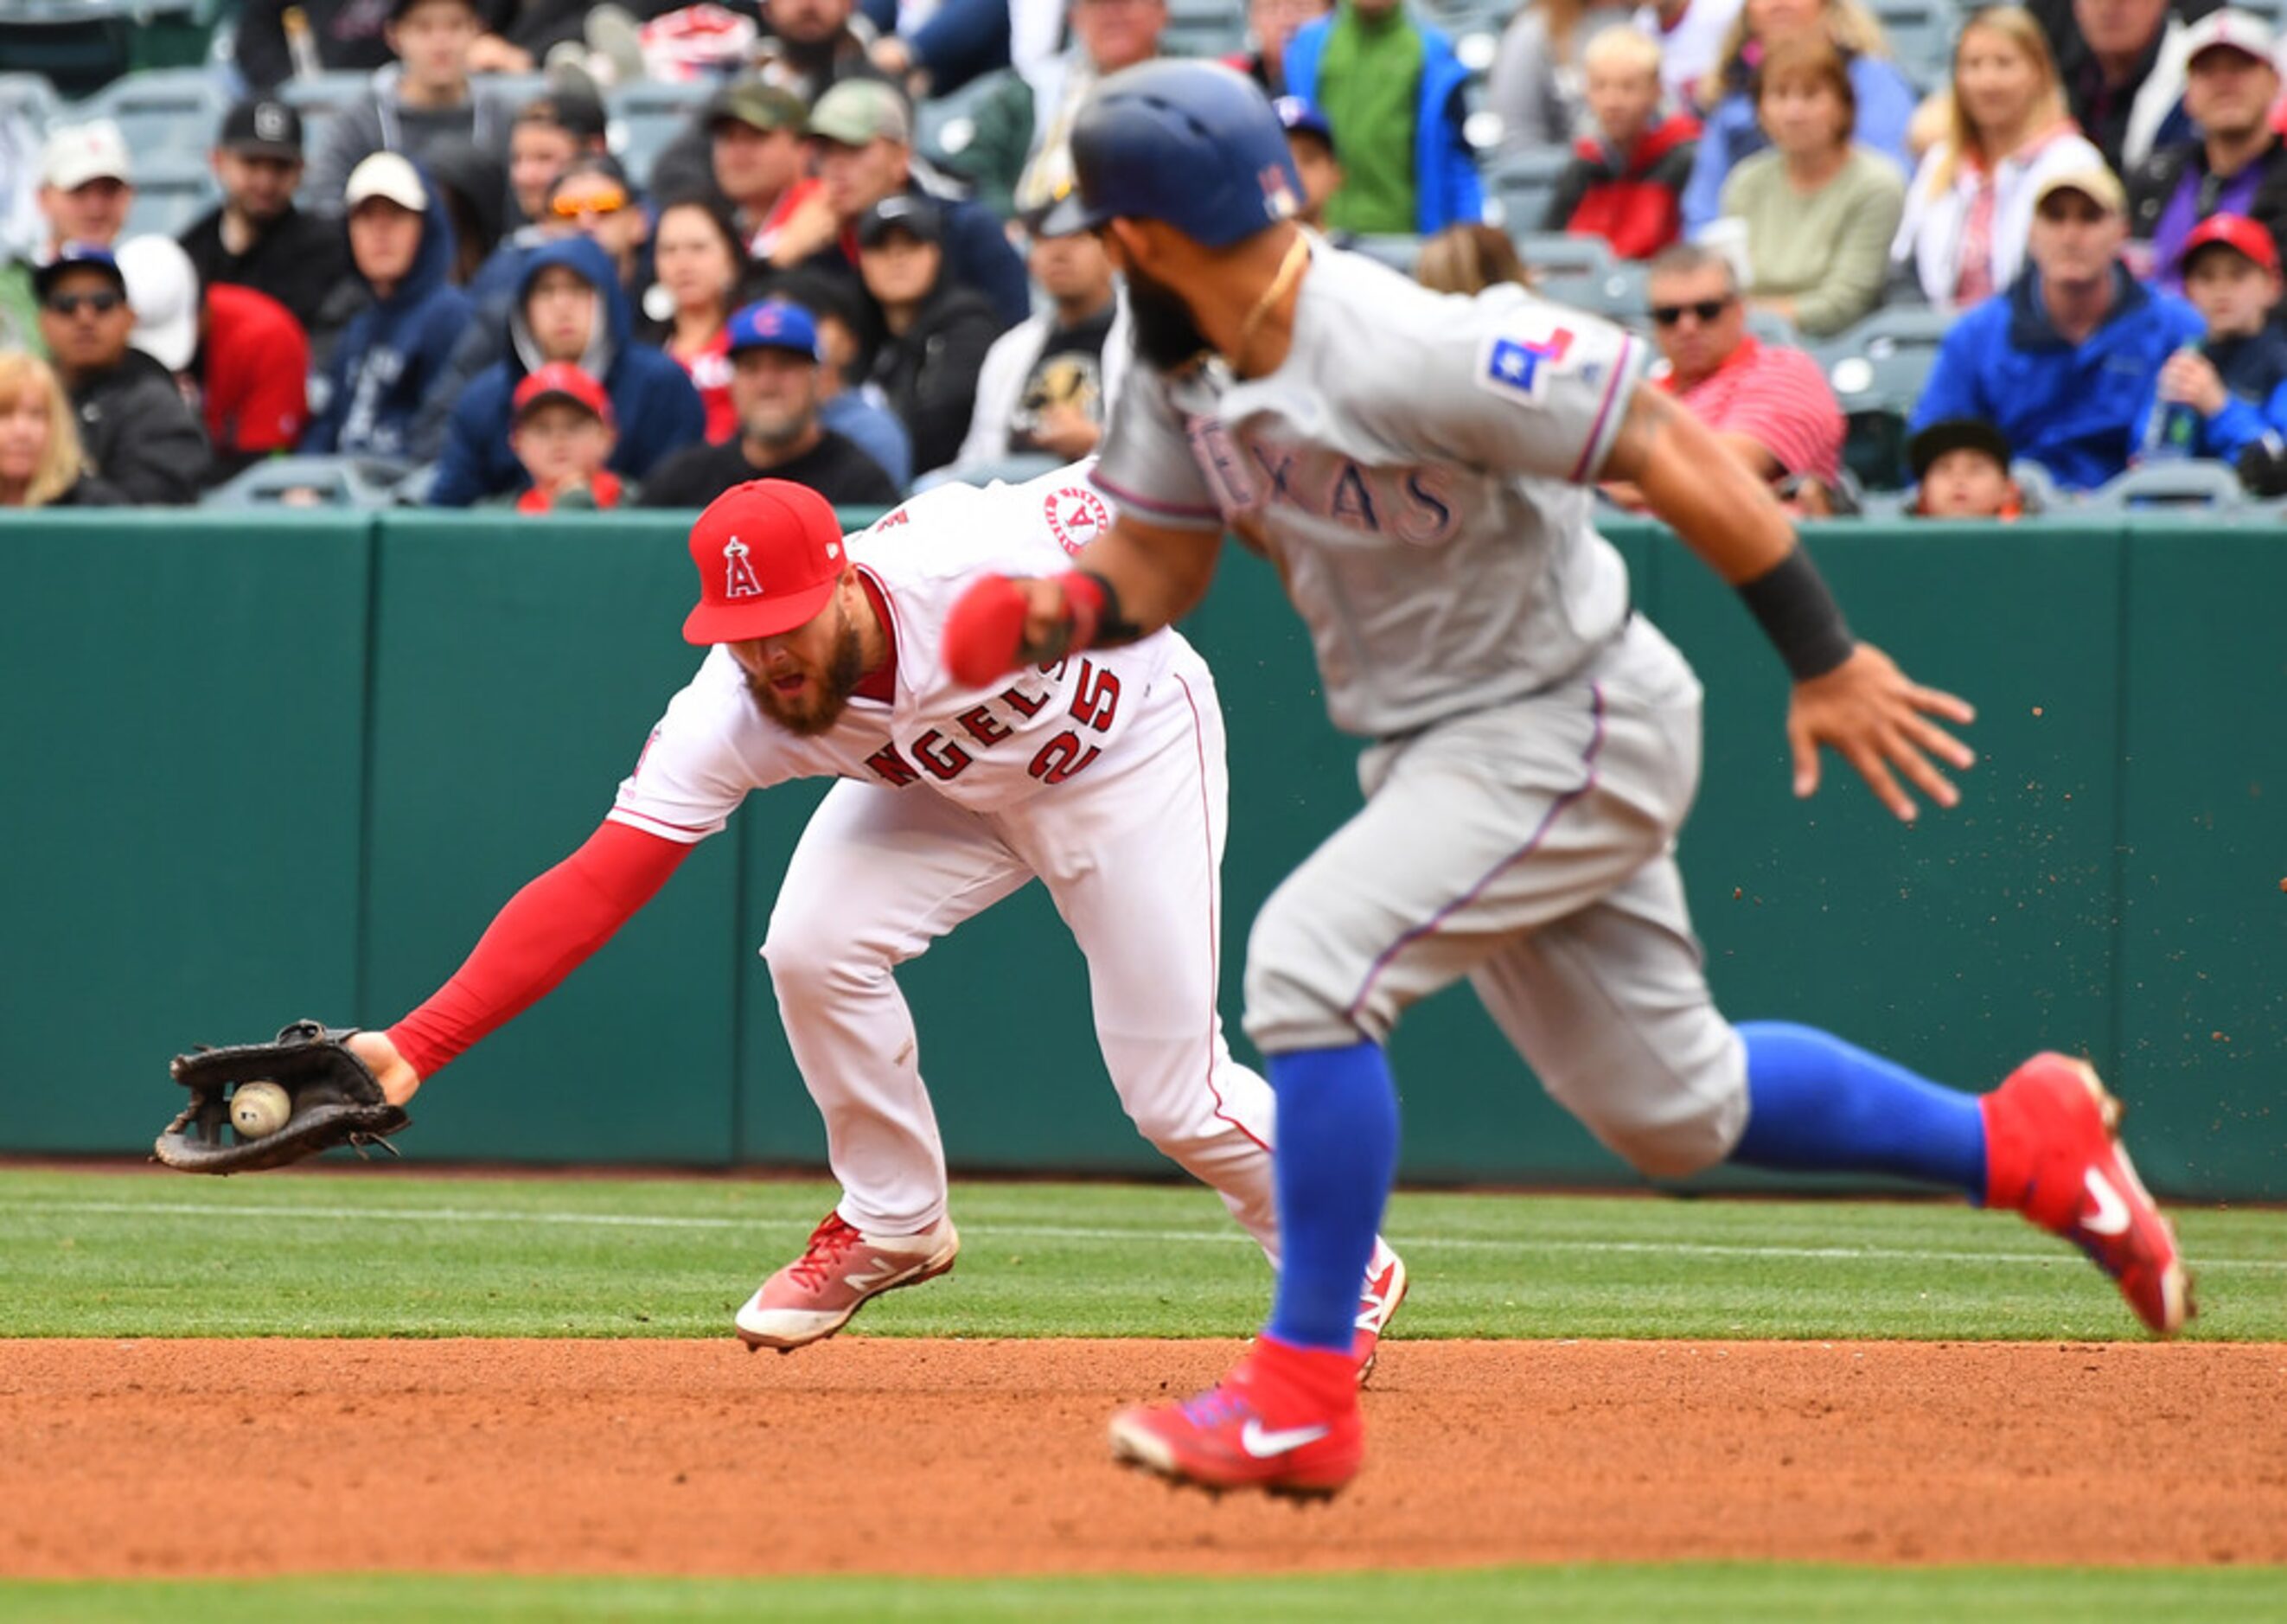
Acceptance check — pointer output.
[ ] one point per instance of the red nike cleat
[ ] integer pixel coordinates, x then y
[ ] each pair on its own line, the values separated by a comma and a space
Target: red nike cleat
1385, 1289
1286, 1421
2052, 1151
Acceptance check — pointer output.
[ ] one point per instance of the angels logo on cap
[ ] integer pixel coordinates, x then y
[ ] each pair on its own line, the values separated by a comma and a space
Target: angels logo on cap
738, 574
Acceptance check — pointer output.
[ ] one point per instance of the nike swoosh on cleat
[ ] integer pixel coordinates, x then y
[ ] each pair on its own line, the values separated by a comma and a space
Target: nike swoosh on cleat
1263, 1444
2111, 1215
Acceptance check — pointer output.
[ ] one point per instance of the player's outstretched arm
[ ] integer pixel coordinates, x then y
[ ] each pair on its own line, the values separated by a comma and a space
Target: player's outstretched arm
1127, 584
392, 1071
1848, 695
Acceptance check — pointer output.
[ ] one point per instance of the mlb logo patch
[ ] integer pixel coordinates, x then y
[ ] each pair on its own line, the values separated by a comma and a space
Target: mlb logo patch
1522, 367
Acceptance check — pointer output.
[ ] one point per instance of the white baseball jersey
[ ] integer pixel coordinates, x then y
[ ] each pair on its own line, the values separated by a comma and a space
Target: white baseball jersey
986, 749
1102, 776
1417, 467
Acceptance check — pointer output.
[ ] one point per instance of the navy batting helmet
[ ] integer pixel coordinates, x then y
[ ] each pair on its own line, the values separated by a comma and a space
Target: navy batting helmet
1193, 144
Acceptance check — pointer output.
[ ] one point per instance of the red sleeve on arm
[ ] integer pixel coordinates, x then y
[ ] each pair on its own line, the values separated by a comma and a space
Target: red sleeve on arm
546, 931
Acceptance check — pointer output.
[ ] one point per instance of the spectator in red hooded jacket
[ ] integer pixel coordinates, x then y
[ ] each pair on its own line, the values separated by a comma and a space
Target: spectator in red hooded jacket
1626, 183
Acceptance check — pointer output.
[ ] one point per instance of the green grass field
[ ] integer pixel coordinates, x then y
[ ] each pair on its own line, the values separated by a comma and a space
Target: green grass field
377, 1252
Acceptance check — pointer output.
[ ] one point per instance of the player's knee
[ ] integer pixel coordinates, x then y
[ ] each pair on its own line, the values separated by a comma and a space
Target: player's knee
1683, 1131
808, 957
1297, 994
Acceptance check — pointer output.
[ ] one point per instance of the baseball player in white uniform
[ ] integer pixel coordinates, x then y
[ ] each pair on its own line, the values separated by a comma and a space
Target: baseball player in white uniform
1417, 467
1101, 775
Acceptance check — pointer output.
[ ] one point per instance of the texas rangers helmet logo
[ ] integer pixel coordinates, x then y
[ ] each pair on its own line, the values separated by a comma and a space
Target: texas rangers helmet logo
1076, 517
1278, 197
738, 574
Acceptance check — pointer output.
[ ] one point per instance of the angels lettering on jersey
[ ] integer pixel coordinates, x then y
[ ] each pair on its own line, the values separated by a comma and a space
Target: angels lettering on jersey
985, 749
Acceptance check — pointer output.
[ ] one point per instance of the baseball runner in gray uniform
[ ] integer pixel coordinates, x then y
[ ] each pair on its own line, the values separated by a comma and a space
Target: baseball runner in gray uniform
1417, 467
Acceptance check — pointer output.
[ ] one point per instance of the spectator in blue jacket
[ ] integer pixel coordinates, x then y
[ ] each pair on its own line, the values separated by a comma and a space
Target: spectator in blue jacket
2235, 384
1392, 89
1731, 132
394, 351
2064, 362
568, 307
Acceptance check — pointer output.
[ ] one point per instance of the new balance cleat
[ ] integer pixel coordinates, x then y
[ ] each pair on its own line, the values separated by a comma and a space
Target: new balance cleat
2052, 1151
1285, 1421
813, 1297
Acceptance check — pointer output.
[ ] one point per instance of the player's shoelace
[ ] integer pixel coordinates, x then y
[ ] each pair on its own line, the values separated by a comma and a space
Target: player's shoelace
830, 1243
1216, 1407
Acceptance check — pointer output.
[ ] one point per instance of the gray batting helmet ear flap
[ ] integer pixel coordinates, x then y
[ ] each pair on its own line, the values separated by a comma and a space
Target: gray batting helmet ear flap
1194, 144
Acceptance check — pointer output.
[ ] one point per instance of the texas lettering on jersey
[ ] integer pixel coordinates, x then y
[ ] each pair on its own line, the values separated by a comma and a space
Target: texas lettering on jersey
1411, 505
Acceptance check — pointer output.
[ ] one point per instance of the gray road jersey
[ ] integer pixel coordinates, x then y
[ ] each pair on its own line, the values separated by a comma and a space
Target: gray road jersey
1417, 470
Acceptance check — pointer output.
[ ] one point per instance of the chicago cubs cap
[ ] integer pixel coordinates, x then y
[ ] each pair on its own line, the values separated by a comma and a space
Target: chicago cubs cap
77, 154
263, 127
2233, 231
76, 257
561, 380
774, 324
1194, 144
768, 553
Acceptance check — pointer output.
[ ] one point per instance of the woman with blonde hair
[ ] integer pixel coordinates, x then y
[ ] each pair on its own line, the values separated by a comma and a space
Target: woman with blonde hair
1884, 100
1469, 258
1971, 202
41, 462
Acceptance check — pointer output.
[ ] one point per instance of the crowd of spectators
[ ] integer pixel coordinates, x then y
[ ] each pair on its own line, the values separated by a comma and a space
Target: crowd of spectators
458, 280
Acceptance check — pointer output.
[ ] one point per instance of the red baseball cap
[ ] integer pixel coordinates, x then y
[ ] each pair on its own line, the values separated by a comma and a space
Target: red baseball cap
561, 380
2233, 231
768, 554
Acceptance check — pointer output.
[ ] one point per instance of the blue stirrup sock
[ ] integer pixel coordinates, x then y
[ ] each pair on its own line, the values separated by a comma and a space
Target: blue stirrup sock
1337, 1153
1815, 1104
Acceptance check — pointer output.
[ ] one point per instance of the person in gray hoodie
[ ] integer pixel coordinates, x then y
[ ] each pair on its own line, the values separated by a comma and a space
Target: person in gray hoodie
569, 307
425, 95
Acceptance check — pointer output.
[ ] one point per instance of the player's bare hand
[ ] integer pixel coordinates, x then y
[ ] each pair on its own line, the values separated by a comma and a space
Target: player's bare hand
395, 1073
1880, 721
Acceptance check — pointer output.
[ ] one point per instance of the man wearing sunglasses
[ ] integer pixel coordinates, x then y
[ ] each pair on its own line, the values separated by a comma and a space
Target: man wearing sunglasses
137, 431
1769, 404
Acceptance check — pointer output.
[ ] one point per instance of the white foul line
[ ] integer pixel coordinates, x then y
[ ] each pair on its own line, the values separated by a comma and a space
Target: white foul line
1430, 1243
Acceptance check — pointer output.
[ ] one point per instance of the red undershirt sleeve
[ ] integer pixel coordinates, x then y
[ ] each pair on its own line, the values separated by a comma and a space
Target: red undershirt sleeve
546, 931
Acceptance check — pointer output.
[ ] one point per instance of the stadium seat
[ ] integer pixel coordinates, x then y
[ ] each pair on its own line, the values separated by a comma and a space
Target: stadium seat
1205, 28
338, 482
1520, 185
169, 113
1557, 253
1921, 35
2038, 486
170, 196
2189, 483
1616, 291
1398, 252
77, 45
646, 117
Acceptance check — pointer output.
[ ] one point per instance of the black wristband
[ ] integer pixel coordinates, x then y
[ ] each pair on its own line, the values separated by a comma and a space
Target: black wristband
1112, 627
1791, 602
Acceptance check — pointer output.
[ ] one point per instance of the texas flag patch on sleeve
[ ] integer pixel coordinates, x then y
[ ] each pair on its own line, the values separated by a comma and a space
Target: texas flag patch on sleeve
1523, 367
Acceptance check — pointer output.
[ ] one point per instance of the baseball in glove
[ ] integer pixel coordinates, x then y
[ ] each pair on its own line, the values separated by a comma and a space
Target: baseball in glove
334, 1101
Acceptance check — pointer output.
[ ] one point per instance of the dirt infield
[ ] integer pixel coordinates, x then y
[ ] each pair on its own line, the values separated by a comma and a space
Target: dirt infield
171, 1458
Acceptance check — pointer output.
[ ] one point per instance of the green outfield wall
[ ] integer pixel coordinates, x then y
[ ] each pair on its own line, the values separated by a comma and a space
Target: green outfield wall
261, 767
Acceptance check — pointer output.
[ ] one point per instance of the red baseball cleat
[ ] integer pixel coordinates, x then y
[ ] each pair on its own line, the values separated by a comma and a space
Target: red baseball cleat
2052, 1151
813, 1297
1286, 1421
1385, 1289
